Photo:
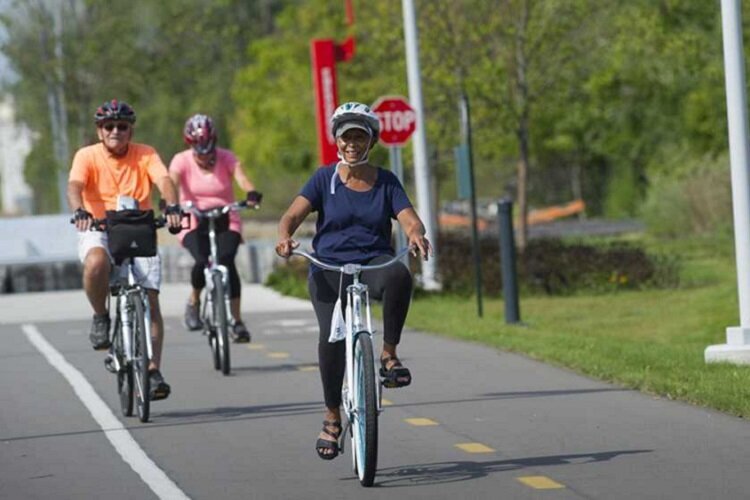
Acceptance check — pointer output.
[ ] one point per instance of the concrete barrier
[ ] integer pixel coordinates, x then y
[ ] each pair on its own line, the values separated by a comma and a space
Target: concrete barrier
255, 261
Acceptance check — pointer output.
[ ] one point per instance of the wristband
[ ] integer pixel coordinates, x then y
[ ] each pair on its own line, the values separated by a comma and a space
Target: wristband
173, 209
81, 214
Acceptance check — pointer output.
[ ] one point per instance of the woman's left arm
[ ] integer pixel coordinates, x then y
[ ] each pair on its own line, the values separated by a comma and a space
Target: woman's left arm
241, 178
415, 232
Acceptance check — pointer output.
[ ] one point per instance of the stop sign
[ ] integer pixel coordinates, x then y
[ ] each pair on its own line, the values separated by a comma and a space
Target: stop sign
397, 119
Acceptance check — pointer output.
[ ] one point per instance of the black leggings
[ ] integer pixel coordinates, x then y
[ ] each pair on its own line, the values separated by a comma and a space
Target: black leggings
200, 248
392, 285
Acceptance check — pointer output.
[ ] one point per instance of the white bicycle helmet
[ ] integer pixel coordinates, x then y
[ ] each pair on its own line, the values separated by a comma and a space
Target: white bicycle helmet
355, 115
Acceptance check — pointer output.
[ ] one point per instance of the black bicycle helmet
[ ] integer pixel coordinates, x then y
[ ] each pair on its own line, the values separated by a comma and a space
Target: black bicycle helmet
114, 110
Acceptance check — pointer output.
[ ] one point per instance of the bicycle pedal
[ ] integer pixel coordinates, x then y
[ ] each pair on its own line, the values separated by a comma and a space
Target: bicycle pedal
109, 364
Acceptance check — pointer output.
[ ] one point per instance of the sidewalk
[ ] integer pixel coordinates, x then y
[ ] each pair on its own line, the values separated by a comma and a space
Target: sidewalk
72, 304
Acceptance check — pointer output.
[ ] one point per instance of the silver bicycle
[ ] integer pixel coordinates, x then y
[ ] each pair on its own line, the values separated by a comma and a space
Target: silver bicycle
362, 390
131, 351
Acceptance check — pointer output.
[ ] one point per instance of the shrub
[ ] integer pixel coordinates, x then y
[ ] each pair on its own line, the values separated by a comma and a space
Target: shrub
696, 201
290, 278
554, 267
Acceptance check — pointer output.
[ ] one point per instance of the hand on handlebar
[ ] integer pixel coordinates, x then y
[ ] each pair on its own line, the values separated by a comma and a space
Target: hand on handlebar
82, 219
253, 199
420, 245
285, 246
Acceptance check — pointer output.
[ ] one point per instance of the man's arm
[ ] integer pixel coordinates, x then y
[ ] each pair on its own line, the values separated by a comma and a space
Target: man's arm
169, 193
75, 198
75, 202
167, 190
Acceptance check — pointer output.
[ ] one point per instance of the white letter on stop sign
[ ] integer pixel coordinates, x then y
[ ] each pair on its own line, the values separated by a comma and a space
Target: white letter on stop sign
385, 118
402, 120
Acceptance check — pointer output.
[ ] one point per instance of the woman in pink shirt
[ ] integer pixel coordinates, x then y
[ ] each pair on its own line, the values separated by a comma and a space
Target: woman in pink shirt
204, 176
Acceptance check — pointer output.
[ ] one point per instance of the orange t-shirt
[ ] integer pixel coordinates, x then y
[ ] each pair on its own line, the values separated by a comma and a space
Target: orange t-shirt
105, 176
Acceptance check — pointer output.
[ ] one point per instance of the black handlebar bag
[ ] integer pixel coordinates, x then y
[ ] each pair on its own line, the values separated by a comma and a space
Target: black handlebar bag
131, 233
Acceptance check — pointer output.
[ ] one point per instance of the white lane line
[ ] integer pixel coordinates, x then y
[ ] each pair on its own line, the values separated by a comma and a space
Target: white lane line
121, 440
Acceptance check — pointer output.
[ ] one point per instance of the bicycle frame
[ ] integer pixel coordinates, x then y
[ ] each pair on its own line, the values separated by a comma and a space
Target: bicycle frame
128, 287
358, 319
213, 266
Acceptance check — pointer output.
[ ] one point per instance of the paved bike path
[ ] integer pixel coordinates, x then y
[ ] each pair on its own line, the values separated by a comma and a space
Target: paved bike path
523, 425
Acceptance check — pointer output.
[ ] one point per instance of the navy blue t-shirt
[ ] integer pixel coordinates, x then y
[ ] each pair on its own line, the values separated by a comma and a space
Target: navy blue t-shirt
353, 226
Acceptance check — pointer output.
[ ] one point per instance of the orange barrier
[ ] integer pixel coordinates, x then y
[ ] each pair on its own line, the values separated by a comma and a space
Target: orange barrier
549, 214
457, 220
538, 216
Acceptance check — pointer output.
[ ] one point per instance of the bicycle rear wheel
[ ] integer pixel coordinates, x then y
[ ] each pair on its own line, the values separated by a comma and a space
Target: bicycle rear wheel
365, 415
140, 360
222, 324
125, 373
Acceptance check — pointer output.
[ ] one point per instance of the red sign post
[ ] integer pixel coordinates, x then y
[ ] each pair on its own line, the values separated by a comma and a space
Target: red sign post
398, 120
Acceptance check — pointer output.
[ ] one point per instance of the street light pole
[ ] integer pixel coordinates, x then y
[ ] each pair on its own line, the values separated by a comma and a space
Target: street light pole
422, 175
737, 348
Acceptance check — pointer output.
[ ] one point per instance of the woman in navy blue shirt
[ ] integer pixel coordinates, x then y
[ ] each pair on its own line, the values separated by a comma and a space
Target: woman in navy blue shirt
355, 202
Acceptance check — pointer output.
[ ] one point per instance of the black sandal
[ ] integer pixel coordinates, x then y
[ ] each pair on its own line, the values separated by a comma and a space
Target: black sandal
327, 449
395, 376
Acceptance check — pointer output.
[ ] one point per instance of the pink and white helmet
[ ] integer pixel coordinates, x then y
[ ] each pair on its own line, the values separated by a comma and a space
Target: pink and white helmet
200, 133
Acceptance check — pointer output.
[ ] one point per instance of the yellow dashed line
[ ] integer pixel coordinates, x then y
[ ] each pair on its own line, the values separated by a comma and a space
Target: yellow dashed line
307, 368
256, 347
474, 448
386, 402
278, 355
420, 422
540, 482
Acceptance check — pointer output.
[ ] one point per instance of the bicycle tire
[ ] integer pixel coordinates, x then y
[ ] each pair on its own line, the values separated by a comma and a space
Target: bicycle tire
140, 361
214, 344
365, 425
222, 324
125, 373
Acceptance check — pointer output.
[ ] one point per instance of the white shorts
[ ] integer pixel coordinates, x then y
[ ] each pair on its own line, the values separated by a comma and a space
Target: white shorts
147, 269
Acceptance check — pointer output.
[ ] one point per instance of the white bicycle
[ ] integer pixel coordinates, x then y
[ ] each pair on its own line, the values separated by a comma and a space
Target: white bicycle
217, 314
362, 390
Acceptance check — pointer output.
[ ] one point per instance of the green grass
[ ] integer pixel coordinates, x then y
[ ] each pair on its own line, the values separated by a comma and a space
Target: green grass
650, 340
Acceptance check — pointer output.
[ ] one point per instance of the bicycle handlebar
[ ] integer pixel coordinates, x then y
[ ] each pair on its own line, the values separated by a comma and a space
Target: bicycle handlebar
216, 212
351, 269
101, 224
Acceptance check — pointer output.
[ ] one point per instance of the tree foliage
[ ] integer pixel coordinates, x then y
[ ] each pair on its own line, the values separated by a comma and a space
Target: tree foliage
592, 99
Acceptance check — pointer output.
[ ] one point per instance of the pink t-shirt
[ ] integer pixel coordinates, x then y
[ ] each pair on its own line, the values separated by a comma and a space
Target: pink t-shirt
206, 190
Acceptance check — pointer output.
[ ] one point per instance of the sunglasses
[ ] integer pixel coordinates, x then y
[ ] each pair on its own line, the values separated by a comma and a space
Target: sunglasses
122, 127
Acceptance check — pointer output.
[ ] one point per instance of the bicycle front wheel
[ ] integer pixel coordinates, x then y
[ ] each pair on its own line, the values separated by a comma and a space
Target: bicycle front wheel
140, 360
222, 324
365, 415
125, 373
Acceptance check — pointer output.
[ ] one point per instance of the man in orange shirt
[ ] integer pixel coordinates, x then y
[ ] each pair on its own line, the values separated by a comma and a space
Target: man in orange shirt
100, 173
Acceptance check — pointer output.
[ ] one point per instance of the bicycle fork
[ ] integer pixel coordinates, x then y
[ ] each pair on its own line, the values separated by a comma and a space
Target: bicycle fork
125, 311
356, 326
208, 273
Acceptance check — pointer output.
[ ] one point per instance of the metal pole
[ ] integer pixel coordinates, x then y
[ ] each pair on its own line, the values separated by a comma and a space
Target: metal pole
508, 261
466, 139
421, 168
397, 167
737, 348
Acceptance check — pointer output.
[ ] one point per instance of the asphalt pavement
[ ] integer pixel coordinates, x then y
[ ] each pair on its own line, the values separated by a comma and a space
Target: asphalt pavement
476, 422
